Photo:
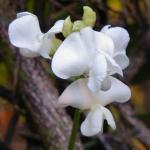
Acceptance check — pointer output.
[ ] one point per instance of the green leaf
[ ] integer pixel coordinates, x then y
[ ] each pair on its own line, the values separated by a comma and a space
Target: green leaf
89, 16
67, 27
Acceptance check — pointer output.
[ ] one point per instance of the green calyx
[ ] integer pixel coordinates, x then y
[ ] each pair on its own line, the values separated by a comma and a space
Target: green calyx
89, 16
55, 44
67, 27
78, 25
88, 19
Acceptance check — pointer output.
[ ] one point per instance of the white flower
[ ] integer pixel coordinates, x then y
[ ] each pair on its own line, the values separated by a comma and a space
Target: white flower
79, 96
24, 32
121, 39
93, 53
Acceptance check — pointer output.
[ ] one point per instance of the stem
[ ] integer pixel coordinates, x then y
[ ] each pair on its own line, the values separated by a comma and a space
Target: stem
74, 129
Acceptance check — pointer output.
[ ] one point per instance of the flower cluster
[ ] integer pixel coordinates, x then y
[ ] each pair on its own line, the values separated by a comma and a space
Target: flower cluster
96, 55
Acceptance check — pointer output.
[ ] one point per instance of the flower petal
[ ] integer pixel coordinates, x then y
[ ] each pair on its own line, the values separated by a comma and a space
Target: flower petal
46, 40
108, 116
118, 92
106, 84
119, 36
46, 45
28, 53
21, 14
87, 35
76, 95
105, 28
79, 96
97, 73
58, 26
112, 66
121, 59
103, 43
93, 124
71, 58
24, 32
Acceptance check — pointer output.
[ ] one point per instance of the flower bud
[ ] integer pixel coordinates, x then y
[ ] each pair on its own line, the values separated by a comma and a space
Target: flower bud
67, 27
78, 25
89, 16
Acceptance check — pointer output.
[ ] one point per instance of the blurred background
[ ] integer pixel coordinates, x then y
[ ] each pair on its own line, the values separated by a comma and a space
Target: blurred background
23, 81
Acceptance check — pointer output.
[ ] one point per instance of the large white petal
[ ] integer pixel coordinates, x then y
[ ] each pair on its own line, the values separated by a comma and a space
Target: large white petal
28, 53
118, 92
93, 124
87, 35
98, 72
24, 32
76, 95
119, 36
71, 58
103, 43
121, 59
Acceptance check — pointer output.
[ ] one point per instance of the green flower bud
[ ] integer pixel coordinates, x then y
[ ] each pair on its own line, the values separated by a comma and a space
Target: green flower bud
67, 27
78, 25
89, 16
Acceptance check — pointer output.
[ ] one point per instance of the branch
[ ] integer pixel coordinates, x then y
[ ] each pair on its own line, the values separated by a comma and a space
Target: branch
41, 99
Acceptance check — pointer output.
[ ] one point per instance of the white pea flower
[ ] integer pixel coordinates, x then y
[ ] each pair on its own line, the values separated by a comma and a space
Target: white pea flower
120, 38
24, 32
79, 96
91, 53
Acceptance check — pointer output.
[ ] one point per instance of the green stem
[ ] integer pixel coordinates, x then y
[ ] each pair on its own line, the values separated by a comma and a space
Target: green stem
74, 130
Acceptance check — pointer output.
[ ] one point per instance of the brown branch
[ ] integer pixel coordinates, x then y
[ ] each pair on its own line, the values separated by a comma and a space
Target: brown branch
41, 99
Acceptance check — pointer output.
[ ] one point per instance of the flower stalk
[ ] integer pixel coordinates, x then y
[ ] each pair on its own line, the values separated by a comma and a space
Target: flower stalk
74, 130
